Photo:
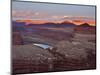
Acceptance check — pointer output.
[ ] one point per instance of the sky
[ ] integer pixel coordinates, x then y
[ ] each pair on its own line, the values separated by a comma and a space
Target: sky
44, 12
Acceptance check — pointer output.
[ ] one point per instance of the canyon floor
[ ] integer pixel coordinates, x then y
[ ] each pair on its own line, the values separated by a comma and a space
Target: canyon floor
72, 50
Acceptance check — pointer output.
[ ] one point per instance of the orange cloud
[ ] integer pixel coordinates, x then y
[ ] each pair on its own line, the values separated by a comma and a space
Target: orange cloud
32, 21
50, 18
78, 22
91, 22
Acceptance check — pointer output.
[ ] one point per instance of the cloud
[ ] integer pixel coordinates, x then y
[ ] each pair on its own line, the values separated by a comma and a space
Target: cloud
29, 14
42, 17
32, 21
78, 22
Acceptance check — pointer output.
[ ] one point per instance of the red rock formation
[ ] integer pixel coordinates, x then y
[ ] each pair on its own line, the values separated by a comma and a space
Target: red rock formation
17, 39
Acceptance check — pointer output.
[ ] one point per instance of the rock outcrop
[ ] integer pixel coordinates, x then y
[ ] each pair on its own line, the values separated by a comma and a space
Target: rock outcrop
17, 39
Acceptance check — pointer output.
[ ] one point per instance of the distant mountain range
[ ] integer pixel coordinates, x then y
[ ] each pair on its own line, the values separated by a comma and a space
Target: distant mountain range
84, 25
23, 27
50, 24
